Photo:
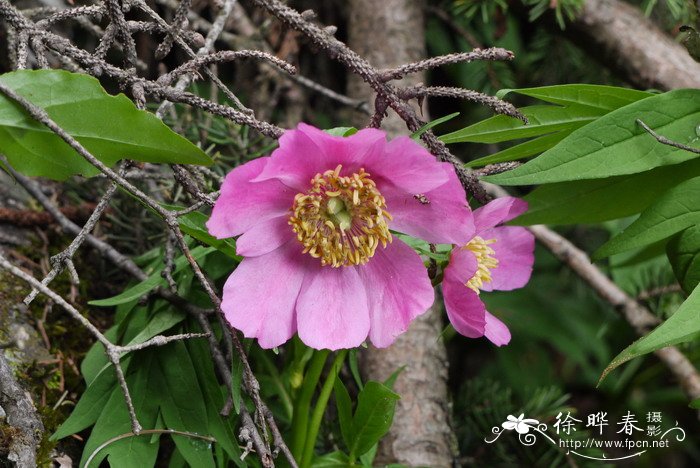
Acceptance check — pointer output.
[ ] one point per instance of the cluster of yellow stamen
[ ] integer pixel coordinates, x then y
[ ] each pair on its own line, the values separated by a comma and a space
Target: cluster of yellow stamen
341, 220
486, 261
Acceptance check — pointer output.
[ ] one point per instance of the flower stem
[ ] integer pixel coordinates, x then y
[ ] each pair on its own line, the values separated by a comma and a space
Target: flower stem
302, 404
320, 408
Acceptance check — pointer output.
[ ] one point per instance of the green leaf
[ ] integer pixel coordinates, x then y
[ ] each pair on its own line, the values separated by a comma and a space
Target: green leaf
543, 120
114, 419
596, 96
220, 428
344, 407
193, 224
341, 131
110, 127
331, 460
695, 404
162, 320
684, 254
523, 150
152, 281
616, 145
91, 404
96, 359
682, 327
673, 212
182, 405
596, 200
373, 417
416, 135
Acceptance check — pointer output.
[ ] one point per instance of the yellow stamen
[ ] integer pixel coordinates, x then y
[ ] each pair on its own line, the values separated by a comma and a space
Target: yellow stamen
341, 220
485, 256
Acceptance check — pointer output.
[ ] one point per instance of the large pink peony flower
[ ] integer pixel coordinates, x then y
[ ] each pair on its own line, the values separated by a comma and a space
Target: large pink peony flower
496, 258
314, 222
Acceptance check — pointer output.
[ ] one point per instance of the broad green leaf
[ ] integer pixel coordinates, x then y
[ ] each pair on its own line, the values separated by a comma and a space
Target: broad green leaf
616, 145
684, 254
597, 96
673, 212
683, 326
543, 120
344, 406
331, 460
373, 417
110, 127
182, 405
416, 135
153, 281
596, 200
193, 224
523, 150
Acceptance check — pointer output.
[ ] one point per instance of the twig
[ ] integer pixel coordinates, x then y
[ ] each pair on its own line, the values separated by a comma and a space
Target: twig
663, 140
660, 291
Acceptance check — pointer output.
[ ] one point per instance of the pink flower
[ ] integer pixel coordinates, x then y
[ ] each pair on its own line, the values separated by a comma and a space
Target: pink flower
314, 222
496, 258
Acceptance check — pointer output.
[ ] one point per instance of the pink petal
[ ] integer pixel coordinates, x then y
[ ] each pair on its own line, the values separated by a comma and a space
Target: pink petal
407, 165
498, 211
443, 216
514, 247
242, 203
464, 307
255, 300
398, 290
308, 151
332, 310
265, 237
496, 331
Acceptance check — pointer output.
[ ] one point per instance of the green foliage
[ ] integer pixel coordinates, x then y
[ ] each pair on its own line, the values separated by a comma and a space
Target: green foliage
684, 254
683, 326
673, 212
564, 10
574, 106
603, 199
110, 127
371, 420
616, 145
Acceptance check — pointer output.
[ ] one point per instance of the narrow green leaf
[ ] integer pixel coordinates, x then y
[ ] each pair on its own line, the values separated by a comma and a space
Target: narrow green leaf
596, 200
110, 127
616, 145
524, 150
152, 281
683, 252
344, 407
416, 135
193, 224
597, 96
543, 120
373, 417
96, 359
673, 212
683, 326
